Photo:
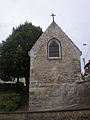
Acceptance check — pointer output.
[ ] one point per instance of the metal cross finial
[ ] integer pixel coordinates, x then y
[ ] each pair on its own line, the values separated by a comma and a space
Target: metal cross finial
53, 16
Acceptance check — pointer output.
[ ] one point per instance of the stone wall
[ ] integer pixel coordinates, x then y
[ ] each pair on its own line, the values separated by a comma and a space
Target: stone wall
83, 93
44, 71
59, 97
47, 115
52, 81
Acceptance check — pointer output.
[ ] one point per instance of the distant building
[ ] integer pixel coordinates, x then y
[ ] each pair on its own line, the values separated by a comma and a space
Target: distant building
87, 70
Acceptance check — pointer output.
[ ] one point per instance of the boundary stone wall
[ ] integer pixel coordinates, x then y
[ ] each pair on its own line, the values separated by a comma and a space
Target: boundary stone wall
59, 97
47, 115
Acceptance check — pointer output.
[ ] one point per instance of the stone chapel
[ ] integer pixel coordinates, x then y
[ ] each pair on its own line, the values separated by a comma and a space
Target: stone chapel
54, 66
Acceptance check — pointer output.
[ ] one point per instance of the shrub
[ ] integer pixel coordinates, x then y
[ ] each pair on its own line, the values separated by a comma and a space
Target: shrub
10, 101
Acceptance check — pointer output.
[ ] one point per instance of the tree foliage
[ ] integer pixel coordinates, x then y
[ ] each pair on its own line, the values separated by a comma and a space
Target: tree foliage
14, 59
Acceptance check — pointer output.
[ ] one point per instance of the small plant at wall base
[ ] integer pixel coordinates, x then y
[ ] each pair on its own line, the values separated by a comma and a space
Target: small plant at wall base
10, 101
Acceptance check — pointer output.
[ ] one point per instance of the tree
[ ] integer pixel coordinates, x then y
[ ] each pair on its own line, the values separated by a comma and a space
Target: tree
14, 59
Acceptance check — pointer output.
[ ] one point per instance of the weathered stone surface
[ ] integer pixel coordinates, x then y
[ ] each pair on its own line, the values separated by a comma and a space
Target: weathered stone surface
83, 93
51, 80
47, 115
45, 71
58, 97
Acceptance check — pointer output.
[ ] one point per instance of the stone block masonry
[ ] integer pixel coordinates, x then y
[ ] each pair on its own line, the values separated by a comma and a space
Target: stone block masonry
59, 97
54, 71
47, 115
52, 81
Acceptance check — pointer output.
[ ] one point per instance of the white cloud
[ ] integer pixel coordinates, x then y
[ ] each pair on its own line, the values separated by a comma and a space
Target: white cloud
71, 15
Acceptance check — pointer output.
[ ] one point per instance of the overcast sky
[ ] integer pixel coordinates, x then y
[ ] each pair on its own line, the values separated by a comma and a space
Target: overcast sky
73, 16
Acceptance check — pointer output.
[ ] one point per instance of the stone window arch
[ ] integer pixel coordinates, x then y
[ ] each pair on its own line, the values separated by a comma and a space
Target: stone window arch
54, 49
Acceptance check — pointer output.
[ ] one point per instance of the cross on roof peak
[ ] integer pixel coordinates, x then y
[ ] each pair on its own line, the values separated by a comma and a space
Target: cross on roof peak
53, 15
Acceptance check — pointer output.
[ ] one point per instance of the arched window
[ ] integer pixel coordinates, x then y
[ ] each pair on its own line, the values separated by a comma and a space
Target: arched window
54, 49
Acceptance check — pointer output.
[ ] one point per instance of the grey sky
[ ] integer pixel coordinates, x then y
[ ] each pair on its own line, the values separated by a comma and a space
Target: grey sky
71, 15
